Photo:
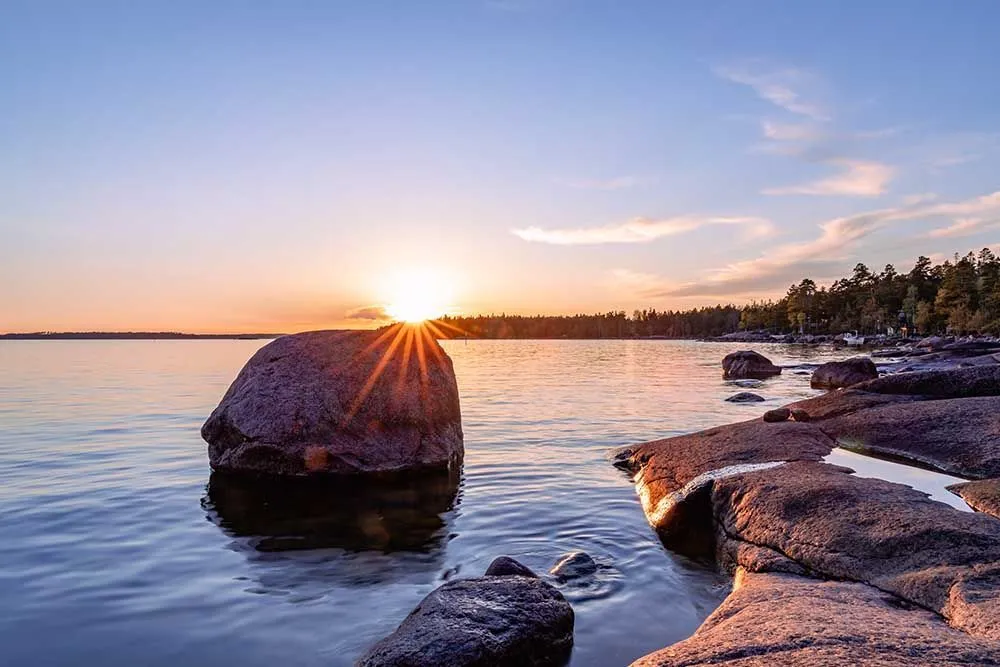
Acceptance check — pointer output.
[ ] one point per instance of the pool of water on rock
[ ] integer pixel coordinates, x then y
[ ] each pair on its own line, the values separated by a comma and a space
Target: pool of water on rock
933, 483
119, 548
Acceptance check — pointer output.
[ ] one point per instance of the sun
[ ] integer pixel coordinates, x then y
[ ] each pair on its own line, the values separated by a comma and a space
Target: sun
418, 295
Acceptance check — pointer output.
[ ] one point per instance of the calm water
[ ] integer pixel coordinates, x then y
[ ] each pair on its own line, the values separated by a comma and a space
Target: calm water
113, 552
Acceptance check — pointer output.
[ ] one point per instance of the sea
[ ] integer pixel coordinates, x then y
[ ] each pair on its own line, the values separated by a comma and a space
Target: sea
119, 547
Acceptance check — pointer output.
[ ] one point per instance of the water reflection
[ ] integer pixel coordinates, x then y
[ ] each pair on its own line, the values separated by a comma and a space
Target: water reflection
356, 513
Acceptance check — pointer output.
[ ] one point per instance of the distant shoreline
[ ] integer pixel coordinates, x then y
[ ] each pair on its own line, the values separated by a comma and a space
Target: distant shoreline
135, 335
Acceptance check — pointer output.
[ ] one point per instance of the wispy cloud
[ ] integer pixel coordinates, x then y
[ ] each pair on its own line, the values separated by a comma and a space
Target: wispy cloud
965, 227
640, 230
790, 131
952, 150
373, 313
813, 139
825, 255
779, 86
857, 178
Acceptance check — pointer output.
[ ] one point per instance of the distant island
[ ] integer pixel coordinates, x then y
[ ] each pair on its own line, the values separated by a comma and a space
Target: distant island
132, 335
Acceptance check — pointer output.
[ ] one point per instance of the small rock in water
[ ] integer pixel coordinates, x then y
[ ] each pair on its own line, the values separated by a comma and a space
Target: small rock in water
501, 621
505, 566
574, 565
800, 415
777, 415
748, 384
835, 374
745, 397
748, 364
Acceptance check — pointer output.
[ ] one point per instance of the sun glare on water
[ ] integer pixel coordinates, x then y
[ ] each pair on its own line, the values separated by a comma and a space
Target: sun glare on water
417, 296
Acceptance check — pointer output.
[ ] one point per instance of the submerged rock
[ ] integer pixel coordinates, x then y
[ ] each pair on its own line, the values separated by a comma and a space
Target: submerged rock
745, 397
340, 402
496, 621
982, 495
748, 364
777, 415
837, 374
574, 565
780, 619
748, 383
505, 566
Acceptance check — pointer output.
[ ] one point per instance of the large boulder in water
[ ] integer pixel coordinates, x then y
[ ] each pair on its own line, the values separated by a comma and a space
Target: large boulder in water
748, 364
340, 402
499, 620
837, 374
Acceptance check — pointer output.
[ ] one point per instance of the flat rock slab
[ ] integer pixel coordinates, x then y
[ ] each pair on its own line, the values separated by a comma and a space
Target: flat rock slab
496, 621
950, 383
664, 466
959, 436
847, 401
340, 402
982, 495
777, 619
840, 526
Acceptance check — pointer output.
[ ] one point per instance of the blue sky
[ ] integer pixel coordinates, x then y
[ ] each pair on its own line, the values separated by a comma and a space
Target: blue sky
237, 165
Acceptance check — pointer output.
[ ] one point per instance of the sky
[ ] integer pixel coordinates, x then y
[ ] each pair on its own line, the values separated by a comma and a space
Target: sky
283, 166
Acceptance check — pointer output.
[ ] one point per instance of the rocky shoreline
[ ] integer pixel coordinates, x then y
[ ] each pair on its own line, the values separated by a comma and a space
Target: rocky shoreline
832, 568
829, 567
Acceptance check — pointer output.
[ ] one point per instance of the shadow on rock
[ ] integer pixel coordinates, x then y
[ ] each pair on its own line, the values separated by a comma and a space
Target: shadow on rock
352, 512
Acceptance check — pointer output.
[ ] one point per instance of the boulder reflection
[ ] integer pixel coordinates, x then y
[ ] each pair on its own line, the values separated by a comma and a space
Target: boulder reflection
357, 513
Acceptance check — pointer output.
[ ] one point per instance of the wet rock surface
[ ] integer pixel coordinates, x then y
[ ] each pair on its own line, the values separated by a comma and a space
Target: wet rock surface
781, 619
982, 495
838, 374
503, 620
748, 364
505, 566
574, 565
745, 397
340, 402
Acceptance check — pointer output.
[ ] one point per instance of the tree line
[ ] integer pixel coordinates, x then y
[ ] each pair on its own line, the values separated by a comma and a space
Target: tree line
959, 296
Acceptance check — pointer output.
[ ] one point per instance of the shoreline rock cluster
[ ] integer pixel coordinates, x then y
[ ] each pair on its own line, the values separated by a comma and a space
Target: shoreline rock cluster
832, 568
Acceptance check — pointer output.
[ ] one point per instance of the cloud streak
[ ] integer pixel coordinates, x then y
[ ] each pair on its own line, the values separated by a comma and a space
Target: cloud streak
778, 86
965, 227
640, 230
371, 313
824, 256
857, 178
